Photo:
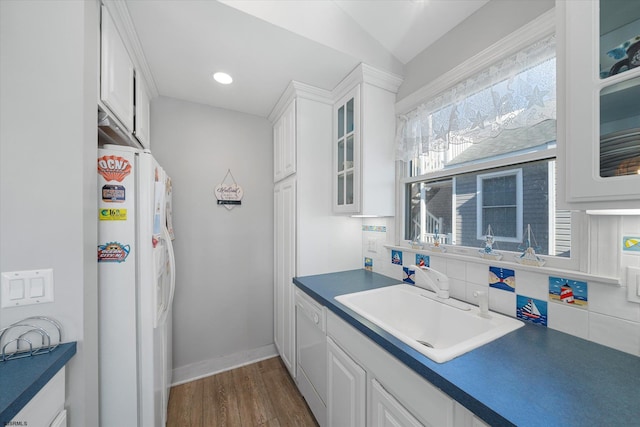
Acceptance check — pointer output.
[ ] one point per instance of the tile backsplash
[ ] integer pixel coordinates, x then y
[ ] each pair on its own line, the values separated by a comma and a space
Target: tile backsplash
599, 312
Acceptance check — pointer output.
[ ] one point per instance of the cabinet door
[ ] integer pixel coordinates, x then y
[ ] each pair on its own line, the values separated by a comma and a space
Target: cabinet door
346, 389
46, 406
465, 418
599, 147
284, 144
386, 411
142, 114
285, 250
346, 153
116, 73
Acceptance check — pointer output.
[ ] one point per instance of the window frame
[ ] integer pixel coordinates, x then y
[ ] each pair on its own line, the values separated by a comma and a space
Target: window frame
537, 29
480, 204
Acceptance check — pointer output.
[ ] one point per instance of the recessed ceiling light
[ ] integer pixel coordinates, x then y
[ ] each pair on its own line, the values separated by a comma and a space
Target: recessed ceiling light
222, 78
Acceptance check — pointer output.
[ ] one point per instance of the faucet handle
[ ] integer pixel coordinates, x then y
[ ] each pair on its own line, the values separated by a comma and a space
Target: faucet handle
483, 302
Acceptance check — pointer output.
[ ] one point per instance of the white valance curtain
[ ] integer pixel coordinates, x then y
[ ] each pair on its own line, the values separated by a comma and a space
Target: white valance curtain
516, 92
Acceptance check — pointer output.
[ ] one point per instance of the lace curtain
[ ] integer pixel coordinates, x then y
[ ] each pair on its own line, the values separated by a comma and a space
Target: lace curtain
516, 92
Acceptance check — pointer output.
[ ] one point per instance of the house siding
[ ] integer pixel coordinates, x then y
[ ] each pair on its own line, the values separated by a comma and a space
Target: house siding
535, 207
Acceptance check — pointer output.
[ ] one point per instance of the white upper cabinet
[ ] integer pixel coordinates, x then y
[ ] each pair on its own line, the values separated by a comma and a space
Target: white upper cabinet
363, 143
141, 131
284, 143
599, 104
347, 152
116, 73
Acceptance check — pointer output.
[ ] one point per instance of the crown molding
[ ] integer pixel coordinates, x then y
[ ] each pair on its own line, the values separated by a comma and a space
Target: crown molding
294, 90
364, 73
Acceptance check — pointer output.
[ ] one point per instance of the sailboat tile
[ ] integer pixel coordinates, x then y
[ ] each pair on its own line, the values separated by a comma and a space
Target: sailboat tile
531, 310
396, 257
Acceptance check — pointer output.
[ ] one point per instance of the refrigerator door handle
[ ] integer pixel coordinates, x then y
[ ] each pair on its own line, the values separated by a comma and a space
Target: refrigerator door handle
172, 267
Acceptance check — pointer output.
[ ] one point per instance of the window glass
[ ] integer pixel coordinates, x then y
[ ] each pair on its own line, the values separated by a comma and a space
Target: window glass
498, 201
459, 210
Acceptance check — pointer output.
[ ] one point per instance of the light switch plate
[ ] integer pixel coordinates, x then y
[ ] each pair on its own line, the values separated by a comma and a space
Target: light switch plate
633, 284
26, 287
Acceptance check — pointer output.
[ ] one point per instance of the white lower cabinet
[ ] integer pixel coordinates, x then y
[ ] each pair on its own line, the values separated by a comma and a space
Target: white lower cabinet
46, 408
365, 381
346, 389
386, 411
466, 418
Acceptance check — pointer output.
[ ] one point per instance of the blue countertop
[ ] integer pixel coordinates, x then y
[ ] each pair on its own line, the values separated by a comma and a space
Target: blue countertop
21, 379
533, 376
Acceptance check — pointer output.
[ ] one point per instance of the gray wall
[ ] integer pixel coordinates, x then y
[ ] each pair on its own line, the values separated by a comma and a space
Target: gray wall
48, 146
224, 283
489, 24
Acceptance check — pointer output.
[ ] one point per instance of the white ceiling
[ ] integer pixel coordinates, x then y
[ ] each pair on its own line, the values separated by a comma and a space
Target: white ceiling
264, 44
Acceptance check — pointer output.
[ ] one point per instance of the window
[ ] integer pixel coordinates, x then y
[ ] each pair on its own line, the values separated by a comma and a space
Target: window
500, 205
481, 154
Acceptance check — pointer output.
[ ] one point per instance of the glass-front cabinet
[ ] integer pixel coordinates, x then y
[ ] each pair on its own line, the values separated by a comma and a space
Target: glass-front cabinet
363, 143
599, 75
347, 152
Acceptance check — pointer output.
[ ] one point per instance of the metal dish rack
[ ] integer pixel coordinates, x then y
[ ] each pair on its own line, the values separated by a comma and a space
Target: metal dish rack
31, 336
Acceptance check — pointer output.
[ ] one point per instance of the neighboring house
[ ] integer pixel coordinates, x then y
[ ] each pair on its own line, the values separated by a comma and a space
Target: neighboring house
507, 198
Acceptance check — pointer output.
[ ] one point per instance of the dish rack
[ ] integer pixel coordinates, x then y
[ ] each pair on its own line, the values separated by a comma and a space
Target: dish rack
31, 336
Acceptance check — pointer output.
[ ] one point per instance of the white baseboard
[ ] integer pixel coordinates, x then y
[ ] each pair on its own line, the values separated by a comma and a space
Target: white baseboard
205, 368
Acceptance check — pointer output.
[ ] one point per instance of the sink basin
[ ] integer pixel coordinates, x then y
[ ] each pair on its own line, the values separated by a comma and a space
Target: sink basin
439, 329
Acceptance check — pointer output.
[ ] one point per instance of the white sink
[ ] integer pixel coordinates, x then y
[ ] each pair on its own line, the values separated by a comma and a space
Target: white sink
434, 327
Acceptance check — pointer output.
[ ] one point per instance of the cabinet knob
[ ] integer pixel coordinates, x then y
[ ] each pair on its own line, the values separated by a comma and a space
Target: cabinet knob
316, 318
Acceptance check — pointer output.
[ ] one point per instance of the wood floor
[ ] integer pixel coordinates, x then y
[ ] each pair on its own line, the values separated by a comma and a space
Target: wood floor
260, 394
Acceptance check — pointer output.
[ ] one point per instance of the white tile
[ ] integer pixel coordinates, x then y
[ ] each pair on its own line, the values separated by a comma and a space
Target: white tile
616, 333
612, 301
532, 284
390, 270
630, 259
567, 319
457, 289
456, 269
438, 263
631, 224
477, 273
604, 252
502, 301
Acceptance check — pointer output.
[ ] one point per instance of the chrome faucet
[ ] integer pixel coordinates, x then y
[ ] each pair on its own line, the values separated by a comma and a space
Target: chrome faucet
435, 281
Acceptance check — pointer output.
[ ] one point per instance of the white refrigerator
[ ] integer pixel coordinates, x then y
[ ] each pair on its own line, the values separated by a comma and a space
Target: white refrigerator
136, 280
